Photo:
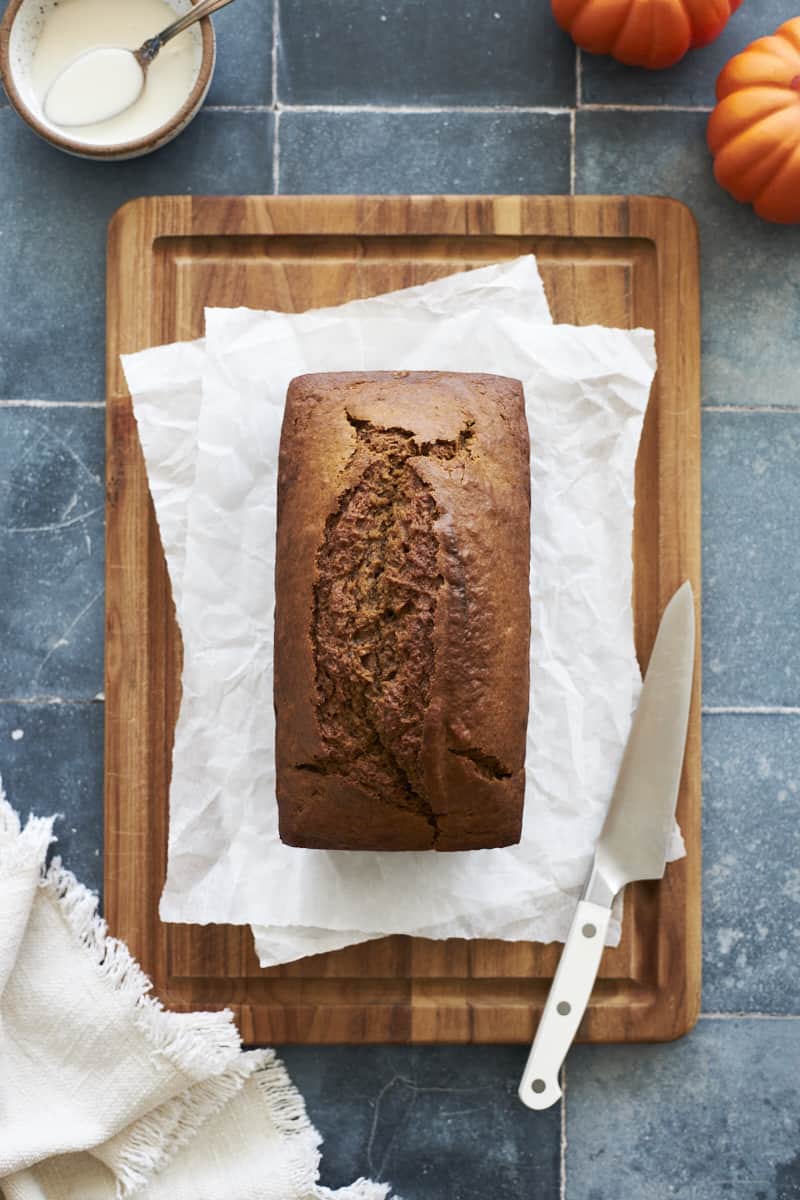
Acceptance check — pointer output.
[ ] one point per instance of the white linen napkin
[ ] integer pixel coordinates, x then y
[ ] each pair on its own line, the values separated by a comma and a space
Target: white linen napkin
214, 458
103, 1094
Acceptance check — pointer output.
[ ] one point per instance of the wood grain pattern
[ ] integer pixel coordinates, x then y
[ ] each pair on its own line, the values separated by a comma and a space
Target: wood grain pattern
614, 261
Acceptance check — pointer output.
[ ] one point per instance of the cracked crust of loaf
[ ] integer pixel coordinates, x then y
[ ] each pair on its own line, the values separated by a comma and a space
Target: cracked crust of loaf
402, 611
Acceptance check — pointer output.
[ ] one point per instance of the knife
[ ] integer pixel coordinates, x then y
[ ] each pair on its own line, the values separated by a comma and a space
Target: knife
633, 842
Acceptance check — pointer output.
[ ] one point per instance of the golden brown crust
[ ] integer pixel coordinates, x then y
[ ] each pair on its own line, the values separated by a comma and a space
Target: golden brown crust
402, 611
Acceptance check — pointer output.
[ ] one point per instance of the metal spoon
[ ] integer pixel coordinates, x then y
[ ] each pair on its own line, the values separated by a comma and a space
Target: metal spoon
104, 82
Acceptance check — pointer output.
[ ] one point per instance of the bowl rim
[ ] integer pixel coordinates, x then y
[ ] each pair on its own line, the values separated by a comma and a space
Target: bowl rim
150, 141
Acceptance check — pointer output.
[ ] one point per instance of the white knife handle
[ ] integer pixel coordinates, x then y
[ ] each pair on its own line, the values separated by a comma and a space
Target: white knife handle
566, 1004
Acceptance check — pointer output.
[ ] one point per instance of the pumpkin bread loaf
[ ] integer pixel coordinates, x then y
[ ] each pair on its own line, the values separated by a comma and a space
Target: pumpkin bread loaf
402, 611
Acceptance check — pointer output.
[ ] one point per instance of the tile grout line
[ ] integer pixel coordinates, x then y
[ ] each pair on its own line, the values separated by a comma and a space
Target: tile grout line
522, 109
276, 155
52, 403
562, 1157
573, 122
276, 132
239, 108
755, 710
648, 108
427, 109
276, 30
572, 116
52, 701
742, 408
748, 1016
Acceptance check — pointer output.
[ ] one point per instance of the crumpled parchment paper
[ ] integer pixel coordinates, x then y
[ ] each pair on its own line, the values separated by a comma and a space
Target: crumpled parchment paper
209, 415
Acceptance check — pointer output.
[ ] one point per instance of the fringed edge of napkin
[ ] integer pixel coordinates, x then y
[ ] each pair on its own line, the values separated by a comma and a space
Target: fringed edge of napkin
204, 1046
196, 1044
159, 1136
22, 849
286, 1110
156, 1138
362, 1189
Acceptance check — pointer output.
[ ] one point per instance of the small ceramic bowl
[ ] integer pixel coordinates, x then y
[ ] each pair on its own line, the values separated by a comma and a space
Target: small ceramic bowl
19, 32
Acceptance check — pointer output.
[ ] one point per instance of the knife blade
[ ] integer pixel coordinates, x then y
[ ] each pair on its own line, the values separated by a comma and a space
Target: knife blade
633, 842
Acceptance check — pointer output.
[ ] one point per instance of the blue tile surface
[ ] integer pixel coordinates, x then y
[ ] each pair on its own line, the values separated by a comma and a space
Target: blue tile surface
440, 1122
751, 559
243, 74
51, 761
52, 498
424, 152
415, 52
691, 81
713, 1117
751, 855
751, 349
54, 211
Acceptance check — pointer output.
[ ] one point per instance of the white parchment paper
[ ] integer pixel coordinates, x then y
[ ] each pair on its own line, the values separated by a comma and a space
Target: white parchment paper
209, 416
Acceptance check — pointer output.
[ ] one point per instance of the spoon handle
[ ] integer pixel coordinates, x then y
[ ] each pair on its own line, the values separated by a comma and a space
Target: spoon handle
195, 13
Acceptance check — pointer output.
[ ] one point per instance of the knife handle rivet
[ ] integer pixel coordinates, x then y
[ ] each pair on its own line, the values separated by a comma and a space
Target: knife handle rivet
538, 1085
563, 1008
589, 931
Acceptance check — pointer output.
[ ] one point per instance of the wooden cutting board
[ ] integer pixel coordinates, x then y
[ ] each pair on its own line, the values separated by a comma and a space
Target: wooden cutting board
614, 261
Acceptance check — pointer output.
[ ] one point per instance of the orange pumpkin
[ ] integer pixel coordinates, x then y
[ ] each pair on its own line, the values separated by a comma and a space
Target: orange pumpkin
754, 132
643, 33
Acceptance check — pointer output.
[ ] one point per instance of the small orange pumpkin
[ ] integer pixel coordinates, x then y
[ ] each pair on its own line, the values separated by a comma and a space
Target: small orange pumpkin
754, 132
643, 33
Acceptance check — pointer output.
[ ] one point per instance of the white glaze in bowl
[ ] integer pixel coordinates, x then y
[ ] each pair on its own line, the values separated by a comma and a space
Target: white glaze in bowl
19, 33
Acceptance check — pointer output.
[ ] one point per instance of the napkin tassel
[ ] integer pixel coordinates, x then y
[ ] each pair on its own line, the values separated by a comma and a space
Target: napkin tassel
158, 1136
197, 1044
